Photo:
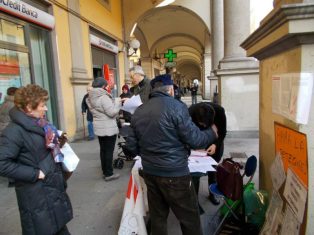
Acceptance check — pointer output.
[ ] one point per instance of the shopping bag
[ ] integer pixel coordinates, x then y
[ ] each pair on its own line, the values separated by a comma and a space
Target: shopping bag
70, 160
132, 221
229, 179
255, 204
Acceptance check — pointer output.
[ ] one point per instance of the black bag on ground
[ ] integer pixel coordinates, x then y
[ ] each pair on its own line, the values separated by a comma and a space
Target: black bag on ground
229, 179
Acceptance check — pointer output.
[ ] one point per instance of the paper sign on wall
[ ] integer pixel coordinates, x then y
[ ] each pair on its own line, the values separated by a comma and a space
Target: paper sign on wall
296, 195
292, 95
292, 147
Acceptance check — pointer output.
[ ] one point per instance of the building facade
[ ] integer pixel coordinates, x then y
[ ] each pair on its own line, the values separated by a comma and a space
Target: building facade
61, 45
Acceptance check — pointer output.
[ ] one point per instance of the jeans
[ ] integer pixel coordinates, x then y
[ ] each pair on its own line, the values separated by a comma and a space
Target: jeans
194, 99
90, 127
178, 194
107, 144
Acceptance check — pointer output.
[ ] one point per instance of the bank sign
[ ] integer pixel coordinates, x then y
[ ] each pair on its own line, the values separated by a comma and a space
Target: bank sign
27, 12
96, 41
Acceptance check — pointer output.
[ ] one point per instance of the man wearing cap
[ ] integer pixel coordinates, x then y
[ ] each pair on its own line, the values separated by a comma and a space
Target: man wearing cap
141, 84
162, 134
104, 111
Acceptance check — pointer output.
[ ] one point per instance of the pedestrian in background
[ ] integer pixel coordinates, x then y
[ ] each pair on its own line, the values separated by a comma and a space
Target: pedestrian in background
5, 119
193, 90
30, 154
89, 116
125, 94
105, 111
5, 107
162, 133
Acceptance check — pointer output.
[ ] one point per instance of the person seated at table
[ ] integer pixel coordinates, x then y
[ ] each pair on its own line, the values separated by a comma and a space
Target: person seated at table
162, 134
204, 115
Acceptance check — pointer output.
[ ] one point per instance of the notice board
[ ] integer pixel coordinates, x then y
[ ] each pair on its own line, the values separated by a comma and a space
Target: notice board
292, 146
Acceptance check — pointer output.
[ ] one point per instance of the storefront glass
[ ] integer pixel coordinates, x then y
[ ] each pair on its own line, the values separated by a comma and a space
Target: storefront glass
25, 58
11, 32
14, 70
42, 66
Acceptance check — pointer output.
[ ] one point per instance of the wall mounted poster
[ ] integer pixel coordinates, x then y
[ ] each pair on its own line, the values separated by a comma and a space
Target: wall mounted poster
292, 146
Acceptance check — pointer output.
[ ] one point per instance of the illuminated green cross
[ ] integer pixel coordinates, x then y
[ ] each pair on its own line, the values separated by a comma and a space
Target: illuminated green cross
170, 55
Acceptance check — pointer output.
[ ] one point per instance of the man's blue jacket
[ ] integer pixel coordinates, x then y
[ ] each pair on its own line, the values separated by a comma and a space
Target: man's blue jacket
163, 133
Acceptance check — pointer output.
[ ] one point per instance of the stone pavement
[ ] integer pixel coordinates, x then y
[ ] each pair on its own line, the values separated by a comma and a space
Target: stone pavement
97, 204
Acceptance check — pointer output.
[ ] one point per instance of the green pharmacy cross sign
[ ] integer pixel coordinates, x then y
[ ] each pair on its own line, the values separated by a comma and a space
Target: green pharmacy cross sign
170, 55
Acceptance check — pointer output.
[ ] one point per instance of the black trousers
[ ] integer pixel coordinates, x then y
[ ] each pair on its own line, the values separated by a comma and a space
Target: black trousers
178, 194
107, 144
217, 156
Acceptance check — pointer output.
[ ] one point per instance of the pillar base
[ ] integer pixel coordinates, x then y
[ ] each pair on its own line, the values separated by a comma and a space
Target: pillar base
239, 84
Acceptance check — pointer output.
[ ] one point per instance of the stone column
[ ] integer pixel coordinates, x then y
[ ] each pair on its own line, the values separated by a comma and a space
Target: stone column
238, 74
217, 35
207, 57
79, 76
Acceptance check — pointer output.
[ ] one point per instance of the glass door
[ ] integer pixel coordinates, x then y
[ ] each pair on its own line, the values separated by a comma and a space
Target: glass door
43, 69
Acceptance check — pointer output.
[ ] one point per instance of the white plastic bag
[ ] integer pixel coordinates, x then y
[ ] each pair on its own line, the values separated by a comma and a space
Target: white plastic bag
70, 160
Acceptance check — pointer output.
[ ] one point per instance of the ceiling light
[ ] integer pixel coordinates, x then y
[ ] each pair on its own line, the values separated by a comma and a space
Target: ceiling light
165, 3
133, 29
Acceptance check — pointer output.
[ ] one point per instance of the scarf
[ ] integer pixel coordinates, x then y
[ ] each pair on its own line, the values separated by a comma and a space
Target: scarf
51, 139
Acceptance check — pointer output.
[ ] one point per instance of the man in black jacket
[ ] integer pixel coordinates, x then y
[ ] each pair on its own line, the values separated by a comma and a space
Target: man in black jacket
162, 134
89, 116
204, 115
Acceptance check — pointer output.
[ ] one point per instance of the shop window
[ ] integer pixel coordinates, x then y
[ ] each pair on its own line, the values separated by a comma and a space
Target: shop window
14, 70
11, 32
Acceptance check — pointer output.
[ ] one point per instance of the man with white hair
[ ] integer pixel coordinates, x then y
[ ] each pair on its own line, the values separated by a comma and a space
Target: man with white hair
141, 84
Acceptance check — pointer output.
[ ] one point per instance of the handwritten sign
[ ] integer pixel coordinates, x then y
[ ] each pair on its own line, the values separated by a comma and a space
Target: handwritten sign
292, 146
296, 195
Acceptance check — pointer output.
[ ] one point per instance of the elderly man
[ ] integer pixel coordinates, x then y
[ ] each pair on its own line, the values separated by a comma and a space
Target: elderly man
162, 134
141, 84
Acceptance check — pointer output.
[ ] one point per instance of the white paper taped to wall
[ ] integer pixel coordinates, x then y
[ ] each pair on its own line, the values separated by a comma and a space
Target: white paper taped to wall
292, 95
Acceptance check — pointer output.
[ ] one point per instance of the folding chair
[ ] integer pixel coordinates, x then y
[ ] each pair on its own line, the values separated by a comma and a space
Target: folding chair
249, 170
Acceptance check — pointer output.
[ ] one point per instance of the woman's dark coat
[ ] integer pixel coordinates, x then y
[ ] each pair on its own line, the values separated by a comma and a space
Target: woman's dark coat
44, 205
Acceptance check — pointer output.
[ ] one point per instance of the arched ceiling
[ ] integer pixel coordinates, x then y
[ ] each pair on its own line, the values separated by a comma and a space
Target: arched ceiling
175, 27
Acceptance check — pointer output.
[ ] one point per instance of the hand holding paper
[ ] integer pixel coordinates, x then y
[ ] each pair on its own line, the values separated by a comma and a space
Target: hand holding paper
131, 104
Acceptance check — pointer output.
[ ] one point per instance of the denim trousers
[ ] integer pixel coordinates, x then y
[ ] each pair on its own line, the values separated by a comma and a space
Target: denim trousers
90, 129
107, 144
178, 194
194, 99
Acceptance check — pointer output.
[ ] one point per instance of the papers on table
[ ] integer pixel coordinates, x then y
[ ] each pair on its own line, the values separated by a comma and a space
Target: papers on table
196, 164
130, 105
198, 153
201, 164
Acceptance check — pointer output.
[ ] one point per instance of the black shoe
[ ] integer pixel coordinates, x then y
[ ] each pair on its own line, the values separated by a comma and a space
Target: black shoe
213, 199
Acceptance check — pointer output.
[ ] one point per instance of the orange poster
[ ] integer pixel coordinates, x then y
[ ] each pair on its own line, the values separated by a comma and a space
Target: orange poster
292, 146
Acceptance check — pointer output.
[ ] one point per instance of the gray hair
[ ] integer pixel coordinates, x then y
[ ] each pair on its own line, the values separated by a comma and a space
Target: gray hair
163, 88
137, 70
